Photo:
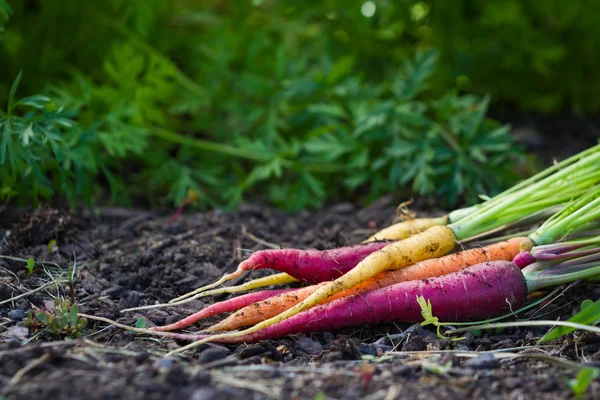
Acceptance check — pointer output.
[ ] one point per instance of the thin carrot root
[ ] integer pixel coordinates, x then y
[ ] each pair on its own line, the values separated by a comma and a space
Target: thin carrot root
222, 307
224, 278
271, 280
405, 229
257, 312
276, 279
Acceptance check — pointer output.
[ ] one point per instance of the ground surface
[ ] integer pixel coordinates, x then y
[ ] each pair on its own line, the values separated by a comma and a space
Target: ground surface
129, 258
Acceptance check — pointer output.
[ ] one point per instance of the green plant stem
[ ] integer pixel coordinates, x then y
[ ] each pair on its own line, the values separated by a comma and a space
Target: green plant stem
207, 145
585, 209
517, 324
498, 210
233, 151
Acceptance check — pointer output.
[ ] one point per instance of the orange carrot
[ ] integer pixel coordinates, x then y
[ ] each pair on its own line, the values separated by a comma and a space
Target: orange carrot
263, 310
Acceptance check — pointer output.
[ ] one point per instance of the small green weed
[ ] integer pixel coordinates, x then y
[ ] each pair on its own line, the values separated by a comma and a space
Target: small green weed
584, 378
30, 265
60, 318
589, 315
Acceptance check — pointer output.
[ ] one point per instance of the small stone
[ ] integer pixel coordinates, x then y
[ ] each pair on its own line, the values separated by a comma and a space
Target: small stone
213, 353
201, 378
251, 351
177, 376
16, 314
252, 360
205, 393
402, 370
483, 361
328, 336
141, 357
414, 343
130, 300
373, 349
309, 346
274, 354
164, 365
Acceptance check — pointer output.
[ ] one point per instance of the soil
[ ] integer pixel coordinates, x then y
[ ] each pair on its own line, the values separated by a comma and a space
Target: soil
125, 258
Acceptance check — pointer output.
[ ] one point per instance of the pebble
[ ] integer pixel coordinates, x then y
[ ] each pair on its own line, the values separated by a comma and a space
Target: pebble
16, 314
328, 336
251, 351
201, 377
213, 353
253, 360
309, 346
483, 361
130, 300
274, 354
414, 343
402, 370
164, 365
204, 393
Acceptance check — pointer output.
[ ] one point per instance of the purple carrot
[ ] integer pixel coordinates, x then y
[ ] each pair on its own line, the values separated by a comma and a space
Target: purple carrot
230, 305
558, 251
312, 266
523, 259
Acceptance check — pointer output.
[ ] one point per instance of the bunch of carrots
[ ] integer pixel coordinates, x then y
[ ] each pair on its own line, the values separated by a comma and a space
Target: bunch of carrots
381, 279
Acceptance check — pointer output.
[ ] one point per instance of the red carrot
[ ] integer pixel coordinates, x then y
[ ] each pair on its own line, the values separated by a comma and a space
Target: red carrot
233, 304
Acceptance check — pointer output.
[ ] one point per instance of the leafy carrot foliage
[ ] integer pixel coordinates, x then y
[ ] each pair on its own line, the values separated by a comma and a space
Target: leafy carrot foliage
253, 106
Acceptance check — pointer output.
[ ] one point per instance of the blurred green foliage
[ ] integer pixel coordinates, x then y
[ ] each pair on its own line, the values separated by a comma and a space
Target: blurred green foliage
293, 101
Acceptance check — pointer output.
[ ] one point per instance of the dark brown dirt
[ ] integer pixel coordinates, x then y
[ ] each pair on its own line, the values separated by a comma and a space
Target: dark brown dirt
128, 258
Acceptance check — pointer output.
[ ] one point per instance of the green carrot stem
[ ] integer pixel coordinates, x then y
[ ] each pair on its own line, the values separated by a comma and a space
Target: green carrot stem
538, 279
495, 211
517, 324
579, 212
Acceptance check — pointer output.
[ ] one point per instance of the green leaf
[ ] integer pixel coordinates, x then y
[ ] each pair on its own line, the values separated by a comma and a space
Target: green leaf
584, 378
11, 95
141, 323
475, 119
328, 110
341, 69
42, 318
30, 265
73, 315
6, 146
37, 101
412, 82
26, 135
589, 314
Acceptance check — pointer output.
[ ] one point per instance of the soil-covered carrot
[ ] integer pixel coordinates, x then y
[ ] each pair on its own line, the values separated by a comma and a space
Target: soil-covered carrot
311, 266
261, 310
222, 307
